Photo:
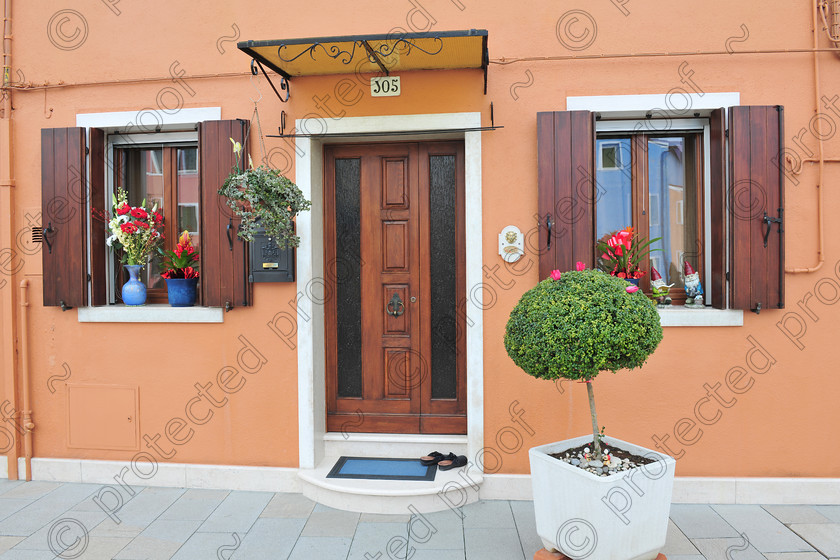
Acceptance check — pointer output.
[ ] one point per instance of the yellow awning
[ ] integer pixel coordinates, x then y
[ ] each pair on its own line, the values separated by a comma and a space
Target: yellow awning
372, 53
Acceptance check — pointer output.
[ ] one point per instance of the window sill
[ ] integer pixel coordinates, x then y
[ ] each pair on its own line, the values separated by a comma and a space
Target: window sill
152, 313
708, 317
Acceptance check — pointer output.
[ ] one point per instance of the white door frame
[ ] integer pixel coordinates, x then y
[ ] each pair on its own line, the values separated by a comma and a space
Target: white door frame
309, 173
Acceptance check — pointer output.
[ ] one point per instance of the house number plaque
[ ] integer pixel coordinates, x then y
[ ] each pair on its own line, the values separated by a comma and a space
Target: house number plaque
385, 86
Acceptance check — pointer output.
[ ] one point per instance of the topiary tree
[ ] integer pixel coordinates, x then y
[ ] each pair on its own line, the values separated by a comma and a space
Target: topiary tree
579, 325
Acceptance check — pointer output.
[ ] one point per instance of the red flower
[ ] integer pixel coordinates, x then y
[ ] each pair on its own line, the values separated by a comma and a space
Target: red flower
190, 272
580, 266
143, 225
128, 227
621, 275
631, 289
124, 209
158, 219
139, 213
555, 275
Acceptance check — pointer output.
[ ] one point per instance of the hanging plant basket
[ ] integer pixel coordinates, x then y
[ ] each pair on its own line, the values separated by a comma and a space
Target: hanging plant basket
265, 199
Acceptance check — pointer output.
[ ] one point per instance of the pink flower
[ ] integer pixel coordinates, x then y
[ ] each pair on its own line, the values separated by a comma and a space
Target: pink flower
580, 266
631, 289
555, 275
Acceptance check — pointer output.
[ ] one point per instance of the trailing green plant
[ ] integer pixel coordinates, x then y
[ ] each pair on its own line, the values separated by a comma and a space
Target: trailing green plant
264, 198
579, 323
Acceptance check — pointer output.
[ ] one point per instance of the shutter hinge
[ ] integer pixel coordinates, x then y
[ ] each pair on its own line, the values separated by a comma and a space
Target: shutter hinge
251, 278
727, 276
228, 306
726, 133
64, 306
88, 278
757, 309
87, 151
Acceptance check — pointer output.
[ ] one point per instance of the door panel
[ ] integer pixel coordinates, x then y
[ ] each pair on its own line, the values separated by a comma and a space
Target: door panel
398, 270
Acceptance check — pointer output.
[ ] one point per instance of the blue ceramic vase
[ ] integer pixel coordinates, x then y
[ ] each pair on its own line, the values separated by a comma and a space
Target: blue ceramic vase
134, 291
182, 291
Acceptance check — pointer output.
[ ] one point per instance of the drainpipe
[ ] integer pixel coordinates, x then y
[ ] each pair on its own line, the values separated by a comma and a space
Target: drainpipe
28, 426
7, 239
821, 155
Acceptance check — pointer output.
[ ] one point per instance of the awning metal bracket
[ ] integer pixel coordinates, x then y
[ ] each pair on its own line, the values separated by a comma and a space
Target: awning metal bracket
284, 83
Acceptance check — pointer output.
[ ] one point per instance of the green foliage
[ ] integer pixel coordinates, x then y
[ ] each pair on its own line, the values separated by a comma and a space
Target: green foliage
263, 197
580, 325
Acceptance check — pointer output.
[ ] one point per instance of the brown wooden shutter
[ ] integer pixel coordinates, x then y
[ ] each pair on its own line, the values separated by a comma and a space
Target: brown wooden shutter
756, 198
717, 218
566, 179
99, 209
224, 256
63, 216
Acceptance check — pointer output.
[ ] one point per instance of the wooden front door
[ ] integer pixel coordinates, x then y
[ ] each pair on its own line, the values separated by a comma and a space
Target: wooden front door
394, 261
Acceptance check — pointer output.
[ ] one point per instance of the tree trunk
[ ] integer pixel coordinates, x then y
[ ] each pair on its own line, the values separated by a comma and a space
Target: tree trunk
595, 435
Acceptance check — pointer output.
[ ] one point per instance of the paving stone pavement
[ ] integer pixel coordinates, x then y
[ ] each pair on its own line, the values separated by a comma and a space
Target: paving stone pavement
47, 520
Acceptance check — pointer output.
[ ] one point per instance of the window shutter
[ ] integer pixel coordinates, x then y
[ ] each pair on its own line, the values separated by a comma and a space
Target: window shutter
99, 209
63, 216
756, 198
717, 219
566, 179
224, 256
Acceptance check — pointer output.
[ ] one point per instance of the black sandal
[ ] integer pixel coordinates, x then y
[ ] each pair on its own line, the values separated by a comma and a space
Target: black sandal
435, 457
447, 463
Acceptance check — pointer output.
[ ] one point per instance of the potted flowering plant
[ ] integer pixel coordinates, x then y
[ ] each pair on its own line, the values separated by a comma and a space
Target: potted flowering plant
576, 325
136, 232
180, 270
621, 252
263, 198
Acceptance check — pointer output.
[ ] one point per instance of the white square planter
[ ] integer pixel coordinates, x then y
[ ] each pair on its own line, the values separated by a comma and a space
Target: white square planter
623, 516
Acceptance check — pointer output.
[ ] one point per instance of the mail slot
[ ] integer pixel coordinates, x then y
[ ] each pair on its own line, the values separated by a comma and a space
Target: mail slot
270, 263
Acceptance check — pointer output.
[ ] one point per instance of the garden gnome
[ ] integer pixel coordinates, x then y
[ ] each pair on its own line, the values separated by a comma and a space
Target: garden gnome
693, 288
659, 287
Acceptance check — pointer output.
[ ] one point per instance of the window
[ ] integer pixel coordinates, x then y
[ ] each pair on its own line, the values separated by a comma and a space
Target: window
148, 173
609, 154
660, 193
710, 186
80, 168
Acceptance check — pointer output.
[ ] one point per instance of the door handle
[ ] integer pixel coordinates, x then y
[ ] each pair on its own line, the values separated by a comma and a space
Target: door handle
395, 307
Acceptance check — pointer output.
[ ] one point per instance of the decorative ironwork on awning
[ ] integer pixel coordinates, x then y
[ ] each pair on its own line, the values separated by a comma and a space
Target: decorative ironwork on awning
371, 53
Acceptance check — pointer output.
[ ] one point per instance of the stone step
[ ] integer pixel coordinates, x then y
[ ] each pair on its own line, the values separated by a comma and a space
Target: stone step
450, 490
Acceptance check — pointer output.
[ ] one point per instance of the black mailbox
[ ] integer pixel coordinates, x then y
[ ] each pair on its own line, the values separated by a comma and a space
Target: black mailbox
270, 263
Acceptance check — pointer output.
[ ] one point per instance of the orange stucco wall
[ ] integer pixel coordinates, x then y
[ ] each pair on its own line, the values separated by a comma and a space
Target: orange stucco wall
791, 406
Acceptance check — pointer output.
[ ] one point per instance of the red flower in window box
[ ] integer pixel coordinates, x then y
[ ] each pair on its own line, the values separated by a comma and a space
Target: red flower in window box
183, 261
124, 209
142, 225
622, 252
128, 227
139, 213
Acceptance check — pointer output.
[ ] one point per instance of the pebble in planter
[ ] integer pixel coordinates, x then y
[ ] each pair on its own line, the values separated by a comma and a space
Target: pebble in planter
575, 325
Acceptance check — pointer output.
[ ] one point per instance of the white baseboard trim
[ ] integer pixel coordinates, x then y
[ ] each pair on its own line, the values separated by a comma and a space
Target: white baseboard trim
178, 475
699, 490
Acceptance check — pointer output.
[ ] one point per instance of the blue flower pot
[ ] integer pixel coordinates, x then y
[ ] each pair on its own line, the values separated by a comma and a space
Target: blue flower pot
134, 291
634, 281
182, 291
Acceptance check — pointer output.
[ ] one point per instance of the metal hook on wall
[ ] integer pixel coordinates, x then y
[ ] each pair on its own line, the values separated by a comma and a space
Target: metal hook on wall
47, 115
254, 72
